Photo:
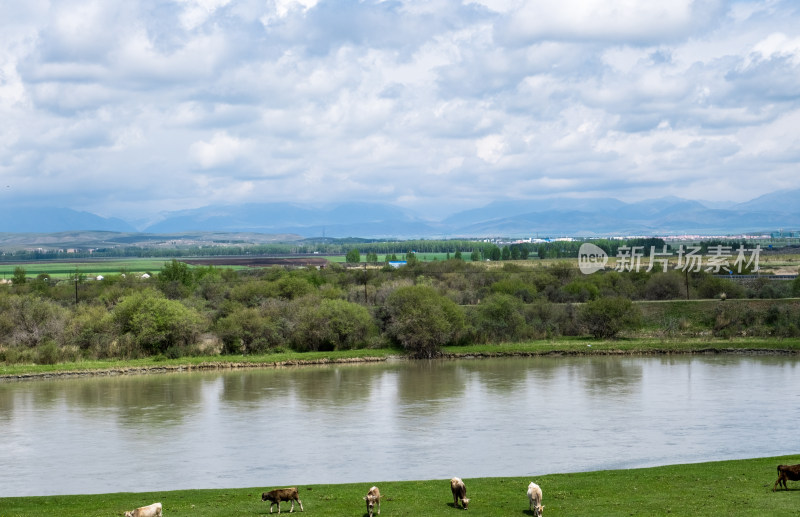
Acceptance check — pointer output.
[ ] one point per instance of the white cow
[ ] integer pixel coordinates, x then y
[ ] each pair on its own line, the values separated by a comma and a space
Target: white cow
153, 510
372, 497
535, 499
459, 492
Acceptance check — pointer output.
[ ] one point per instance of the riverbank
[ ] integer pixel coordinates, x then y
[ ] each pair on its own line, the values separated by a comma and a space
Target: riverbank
729, 488
557, 347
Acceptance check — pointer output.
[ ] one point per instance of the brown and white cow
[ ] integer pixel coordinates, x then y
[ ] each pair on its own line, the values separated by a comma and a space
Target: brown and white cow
152, 510
372, 497
787, 472
282, 494
459, 492
535, 499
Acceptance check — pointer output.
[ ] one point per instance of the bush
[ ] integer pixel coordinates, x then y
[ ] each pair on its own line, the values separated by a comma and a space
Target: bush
665, 286
157, 323
421, 320
515, 287
89, 327
249, 330
31, 320
606, 317
500, 318
330, 325
713, 287
48, 352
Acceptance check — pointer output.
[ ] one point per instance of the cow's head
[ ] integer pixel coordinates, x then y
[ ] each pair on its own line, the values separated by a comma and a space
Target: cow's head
265, 496
465, 502
128, 514
537, 512
370, 504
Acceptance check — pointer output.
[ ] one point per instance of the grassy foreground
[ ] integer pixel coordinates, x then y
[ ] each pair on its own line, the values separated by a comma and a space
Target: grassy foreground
560, 346
729, 488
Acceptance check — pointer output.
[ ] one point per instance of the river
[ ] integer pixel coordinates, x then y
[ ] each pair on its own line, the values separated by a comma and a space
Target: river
391, 421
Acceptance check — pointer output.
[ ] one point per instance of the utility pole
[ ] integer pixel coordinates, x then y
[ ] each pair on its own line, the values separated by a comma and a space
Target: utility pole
366, 302
76, 289
687, 283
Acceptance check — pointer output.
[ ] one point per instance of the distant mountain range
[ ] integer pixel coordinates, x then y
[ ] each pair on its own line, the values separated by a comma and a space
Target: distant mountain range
551, 217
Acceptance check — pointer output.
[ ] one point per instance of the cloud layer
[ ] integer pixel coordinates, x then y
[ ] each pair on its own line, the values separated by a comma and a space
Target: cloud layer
129, 109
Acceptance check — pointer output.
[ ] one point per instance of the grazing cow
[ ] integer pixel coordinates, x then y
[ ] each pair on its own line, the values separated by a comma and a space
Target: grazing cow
282, 494
535, 499
153, 510
459, 492
787, 472
372, 497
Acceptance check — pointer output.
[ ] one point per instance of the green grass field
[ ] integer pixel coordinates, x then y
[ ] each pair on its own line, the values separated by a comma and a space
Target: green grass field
726, 488
93, 267
64, 269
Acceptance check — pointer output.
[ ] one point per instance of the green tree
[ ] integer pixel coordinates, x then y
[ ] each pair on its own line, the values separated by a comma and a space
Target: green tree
505, 254
176, 279
372, 256
475, 256
156, 323
42, 283
19, 277
606, 317
500, 317
330, 324
90, 327
457, 255
175, 271
293, 286
421, 320
353, 256
249, 330
796, 286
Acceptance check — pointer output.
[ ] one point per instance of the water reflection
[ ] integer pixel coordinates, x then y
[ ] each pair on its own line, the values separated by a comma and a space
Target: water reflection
601, 376
515, 416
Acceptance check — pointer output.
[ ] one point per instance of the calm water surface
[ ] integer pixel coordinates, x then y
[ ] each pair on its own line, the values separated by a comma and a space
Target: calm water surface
397, 421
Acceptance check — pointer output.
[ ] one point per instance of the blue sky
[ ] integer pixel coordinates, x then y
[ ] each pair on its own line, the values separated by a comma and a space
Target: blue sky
133, 108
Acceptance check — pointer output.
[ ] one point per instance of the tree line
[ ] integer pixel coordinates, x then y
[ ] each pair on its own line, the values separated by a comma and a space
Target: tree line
484, 249
183, 310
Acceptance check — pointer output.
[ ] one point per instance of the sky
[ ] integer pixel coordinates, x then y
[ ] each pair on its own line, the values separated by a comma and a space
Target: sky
131, 109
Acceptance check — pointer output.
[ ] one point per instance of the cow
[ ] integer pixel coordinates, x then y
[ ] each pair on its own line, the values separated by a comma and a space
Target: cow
153, 510
372, 497
282, 494
787, 472
459, 492
535, 499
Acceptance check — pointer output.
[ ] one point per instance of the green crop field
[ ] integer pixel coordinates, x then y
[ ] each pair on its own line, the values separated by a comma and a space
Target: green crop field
64, 269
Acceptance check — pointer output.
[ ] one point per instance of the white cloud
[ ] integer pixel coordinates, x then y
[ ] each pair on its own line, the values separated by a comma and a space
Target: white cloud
607, 20
221, 149
196, 12
439, 104
779, 45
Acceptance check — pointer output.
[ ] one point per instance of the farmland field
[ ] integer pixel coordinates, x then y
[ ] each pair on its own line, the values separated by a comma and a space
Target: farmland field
92, 267
88, 267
